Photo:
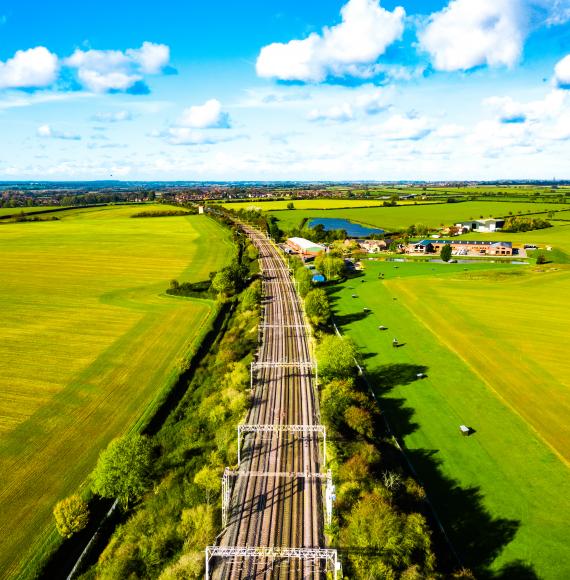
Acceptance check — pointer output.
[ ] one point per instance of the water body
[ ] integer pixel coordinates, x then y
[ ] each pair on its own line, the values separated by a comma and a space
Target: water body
352, 230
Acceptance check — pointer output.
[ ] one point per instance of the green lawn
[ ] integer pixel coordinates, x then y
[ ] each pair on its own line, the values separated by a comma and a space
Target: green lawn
393, 218
492, 342
88, 341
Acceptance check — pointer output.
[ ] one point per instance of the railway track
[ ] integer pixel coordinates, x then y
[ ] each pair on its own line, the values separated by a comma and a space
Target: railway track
275, 512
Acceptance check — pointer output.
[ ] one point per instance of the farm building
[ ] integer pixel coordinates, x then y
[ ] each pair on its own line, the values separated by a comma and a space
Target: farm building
374, 246
482, 225
462, 247
305, 247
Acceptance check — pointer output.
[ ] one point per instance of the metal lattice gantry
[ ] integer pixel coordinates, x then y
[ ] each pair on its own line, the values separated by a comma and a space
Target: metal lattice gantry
315, 555
230, 475
280, 428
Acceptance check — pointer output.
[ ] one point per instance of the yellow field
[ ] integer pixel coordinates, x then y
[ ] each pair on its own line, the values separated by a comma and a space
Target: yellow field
312, 204
88, 341
513, 331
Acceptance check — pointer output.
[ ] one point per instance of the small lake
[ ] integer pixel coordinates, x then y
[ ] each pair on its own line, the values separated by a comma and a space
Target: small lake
352, 230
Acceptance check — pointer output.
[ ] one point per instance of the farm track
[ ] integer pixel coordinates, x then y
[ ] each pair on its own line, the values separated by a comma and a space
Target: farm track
269, 505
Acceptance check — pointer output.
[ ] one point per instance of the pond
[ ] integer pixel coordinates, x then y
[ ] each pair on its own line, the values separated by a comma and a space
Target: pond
352, 229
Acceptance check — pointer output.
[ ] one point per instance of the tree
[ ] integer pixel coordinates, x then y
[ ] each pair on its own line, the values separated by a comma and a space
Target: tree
330, 266
317, 307
123, 469
209, 479
223, 282
71, 516
446, 253
304, 279
290, 205
541, 259
359, 420
400, 540
336, 357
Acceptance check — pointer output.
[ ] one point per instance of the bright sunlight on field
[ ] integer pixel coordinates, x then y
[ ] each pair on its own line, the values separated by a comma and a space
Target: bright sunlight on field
89, 339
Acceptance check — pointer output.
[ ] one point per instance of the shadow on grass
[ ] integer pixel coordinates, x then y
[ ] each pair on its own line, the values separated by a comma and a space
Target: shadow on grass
477, 537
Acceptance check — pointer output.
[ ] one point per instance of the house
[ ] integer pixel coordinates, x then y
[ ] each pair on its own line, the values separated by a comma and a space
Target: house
374, 246
305, 247
462, 247
482, 225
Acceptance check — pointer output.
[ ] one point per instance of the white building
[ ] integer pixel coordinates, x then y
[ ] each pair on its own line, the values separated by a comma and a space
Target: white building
482, 225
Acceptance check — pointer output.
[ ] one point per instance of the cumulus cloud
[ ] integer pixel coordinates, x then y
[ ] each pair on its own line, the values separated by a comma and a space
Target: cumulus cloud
470, 33
562, 73
112, 117
404, 128
449, 131
347, 49
189, 136
33, 68
338, 113
46, 132
375, 102
207, 116
104, 71
508, 110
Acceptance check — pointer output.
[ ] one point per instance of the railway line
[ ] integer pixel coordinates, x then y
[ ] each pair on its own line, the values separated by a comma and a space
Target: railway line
274, 502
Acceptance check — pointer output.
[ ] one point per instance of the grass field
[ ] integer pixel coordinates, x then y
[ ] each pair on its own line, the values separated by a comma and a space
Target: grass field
393, 218
88, 341
492, 341
301, 204
18, 210
557, 236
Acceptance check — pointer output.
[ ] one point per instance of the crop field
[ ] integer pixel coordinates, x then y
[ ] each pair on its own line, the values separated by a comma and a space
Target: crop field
393, 218
492, 341
301, 204
89, 340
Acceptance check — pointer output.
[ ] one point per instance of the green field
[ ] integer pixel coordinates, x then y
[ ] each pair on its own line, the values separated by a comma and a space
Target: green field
557, 236
301, 204
492, 341
18, 210
88, 341
394, 218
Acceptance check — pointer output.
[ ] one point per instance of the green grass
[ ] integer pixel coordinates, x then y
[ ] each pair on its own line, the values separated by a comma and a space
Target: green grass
557, 236
301, 204
88, 341
394, 218
492, 342
27, 210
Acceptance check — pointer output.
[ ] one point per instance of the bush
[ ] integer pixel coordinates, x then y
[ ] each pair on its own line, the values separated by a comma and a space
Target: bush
71, 516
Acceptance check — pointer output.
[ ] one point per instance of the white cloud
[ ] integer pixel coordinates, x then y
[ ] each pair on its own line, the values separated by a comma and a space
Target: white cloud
347, 49
152, 58
404, 128
33, 68
508, 110
562, 73
101, 71
375, 102
470, 33
47, 132
449, 131
112, 117
206, 116
338, 113
189, 136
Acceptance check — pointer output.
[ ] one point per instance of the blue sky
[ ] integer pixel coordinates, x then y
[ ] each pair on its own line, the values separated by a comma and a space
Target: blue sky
361, 89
